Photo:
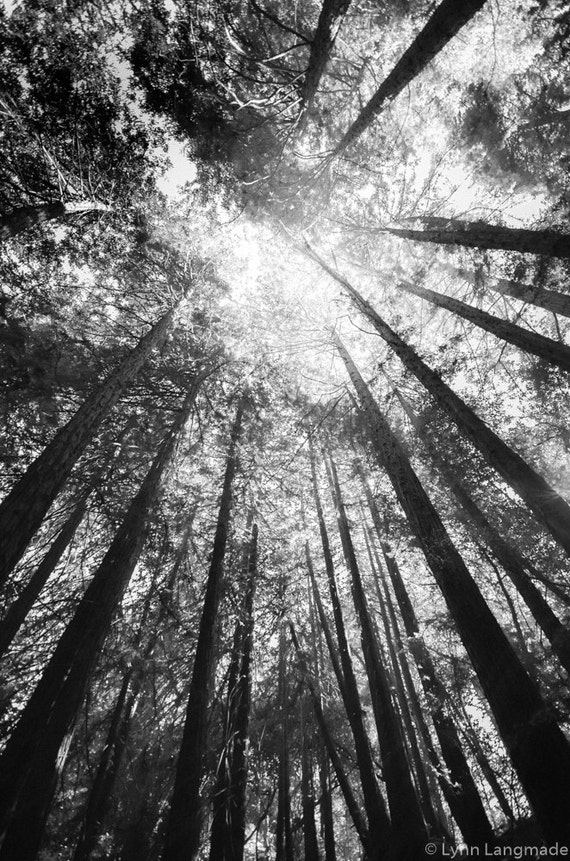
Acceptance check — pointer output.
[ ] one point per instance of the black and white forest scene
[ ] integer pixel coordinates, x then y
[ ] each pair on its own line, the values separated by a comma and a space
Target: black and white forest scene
285, 430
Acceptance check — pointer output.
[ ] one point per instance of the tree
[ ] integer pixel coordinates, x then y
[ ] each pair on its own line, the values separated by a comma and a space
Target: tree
547, 505
322, 44
405, 812
25, 217
30, 770
459, 788
514, 564
550, 351
447, 20
533, 294
184, 826
228, 822
478, 234
351, 802
378, 822
514, 697
23, 510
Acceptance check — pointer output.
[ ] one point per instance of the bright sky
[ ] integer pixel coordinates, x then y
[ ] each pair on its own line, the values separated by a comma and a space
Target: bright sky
181, 171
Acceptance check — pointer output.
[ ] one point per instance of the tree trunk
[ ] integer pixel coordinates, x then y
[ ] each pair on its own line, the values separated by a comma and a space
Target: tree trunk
326, 807
538, 749
378, 822
19, 609
547, 505
37, 747
506, 554
99, 795
284, 832
326, 802
322, 44
405, 813
508, 557
406, 693
550, 351
459, 787
183, 829
447, 20
228, 823
109, 764
325, 628
482, 760
310, 842
478, 234
352, 805
24, 217
22, 511
550, 300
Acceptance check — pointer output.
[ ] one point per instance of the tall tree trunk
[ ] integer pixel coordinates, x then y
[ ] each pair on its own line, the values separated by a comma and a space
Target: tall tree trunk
378, 822
547, 505
326, 802
482, 760
352, 804
459, 787
550, 300
238, 761
117, 736
325, 627
405, 813
19, 609
310, 842
326, 807
183, 829
99, 795
550, 351
510, 559
37, 747
322, 44
478, 234
24, 217
507, 554
538, 749
408, 703
228, 823
447, 20
22, 511
284, 832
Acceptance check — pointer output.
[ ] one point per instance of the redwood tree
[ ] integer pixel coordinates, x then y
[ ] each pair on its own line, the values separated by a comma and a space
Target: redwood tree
184, 826
538, 749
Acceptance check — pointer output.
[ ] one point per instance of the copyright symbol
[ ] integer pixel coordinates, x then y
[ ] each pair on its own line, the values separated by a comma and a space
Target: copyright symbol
430, 849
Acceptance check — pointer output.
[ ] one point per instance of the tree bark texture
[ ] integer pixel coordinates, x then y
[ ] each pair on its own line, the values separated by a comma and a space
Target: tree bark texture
322, 44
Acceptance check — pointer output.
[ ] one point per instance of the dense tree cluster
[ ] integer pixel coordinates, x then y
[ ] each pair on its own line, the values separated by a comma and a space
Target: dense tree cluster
285, 505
